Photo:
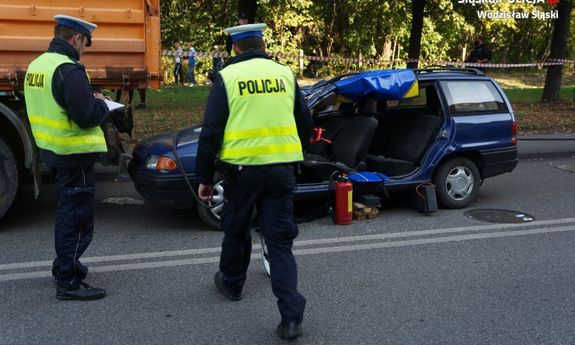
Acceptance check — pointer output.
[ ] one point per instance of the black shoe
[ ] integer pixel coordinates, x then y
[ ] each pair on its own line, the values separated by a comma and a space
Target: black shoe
141, 106
232, 296
83, 293
289, 331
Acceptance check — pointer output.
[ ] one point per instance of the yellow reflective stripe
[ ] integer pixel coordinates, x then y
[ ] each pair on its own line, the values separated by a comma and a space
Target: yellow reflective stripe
413, 90
70, 141
239, 152
51, 123
259, 132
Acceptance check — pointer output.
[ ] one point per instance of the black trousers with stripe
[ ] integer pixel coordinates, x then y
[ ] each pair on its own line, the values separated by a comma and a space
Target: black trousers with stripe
75, 188
269, 188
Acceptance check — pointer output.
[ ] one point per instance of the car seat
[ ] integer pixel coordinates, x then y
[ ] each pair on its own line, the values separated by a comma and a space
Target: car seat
348, 149
402, 142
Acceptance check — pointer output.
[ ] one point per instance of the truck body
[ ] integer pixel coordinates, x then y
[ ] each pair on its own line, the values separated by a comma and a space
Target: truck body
125, 54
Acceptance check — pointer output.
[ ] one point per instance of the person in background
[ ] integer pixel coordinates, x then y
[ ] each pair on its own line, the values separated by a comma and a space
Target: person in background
242, 20
65, 115
256, 134
481, 52
217, 64
178, 71
191, 64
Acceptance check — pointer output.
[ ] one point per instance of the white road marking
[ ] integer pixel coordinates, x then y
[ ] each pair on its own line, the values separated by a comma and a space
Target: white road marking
318, 250
214, 250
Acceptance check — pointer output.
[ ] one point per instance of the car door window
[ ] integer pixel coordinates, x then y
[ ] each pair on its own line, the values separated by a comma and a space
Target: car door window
465, 97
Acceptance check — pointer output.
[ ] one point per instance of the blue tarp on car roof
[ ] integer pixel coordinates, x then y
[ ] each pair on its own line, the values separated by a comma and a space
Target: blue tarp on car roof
393, 84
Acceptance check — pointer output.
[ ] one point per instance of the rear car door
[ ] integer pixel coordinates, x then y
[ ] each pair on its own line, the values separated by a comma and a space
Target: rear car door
483, 122
481, 115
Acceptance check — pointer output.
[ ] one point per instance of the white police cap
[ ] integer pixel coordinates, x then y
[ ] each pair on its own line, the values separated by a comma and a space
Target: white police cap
244, 31
83, 26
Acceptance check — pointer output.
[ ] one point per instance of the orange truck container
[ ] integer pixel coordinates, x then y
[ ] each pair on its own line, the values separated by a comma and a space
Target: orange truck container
125, 54
125, 49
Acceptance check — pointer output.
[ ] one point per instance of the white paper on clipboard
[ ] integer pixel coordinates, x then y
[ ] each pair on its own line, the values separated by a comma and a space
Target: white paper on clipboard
113, 105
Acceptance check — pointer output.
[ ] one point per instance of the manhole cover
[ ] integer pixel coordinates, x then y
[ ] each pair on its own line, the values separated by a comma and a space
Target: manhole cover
499, 216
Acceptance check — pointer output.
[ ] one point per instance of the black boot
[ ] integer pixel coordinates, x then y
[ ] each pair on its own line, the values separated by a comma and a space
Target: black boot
290, 330
225, 290
83, 293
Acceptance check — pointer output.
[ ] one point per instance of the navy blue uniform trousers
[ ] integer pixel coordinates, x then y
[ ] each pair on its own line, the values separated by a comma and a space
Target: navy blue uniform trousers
75, 188
269, 188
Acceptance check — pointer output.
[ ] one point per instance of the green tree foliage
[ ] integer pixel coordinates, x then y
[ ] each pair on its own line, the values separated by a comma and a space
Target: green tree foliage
373, 29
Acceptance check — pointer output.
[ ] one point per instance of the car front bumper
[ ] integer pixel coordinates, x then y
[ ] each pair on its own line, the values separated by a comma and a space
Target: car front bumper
169, 190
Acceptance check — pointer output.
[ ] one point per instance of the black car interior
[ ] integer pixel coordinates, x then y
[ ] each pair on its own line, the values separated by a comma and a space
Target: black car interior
382, 136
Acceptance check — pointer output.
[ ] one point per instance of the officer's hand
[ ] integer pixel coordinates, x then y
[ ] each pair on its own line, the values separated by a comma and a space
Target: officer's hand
205, 192
99, 95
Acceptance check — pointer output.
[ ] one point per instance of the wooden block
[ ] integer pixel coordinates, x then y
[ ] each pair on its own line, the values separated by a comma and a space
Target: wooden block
364, 216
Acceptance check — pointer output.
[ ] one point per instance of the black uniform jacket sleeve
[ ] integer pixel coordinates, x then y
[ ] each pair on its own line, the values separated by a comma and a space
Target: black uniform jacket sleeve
73, 92
216, 117
214, 124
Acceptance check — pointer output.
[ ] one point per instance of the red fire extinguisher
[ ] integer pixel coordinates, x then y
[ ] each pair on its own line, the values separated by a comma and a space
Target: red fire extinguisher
343, 200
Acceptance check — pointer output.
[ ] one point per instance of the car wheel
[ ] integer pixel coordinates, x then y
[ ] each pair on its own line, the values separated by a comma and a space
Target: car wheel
457, 183
8, 177
212, 215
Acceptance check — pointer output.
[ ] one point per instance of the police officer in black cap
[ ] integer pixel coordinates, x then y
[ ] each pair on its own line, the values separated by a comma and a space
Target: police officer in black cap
256, 125
65, 115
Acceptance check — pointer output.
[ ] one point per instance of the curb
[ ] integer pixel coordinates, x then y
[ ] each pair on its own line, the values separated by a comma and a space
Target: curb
560, 145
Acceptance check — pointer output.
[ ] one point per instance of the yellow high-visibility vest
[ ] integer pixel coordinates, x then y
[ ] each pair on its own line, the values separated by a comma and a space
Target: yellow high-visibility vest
261, 127
52, 129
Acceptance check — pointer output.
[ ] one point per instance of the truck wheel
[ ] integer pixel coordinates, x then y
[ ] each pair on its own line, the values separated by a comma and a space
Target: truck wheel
211, 216
457, 183
8, 177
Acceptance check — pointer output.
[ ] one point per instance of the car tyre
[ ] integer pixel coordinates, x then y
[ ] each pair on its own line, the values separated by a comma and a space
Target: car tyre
457, 183
9, 179
211, 216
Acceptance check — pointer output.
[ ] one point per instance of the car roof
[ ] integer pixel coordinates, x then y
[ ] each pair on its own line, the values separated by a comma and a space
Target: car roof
450, 73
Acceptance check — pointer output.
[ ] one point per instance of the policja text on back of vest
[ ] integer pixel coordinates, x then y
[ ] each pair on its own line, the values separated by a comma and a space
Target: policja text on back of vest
262, 86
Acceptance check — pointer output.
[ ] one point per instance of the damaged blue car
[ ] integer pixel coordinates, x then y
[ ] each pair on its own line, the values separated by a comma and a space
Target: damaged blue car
389, 130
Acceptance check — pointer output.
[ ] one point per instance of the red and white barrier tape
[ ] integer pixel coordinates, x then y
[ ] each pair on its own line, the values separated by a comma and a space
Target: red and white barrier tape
549, 62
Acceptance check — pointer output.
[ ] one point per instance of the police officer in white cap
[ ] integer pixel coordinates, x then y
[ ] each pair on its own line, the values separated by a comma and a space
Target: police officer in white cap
65, 115
256, 125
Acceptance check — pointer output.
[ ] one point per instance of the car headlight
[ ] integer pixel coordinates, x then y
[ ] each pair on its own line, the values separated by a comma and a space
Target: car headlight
154, 162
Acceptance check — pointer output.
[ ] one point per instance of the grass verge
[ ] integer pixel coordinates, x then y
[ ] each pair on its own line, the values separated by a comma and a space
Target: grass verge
172, 108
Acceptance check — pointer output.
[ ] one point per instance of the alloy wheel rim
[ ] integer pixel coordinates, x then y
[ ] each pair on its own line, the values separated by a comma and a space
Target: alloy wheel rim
218, 199
459, 183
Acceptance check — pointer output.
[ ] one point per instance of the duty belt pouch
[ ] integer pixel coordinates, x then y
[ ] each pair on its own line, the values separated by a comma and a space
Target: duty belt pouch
227, 171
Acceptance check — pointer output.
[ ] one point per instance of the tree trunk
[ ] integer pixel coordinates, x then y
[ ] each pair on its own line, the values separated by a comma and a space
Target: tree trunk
558, 51
417, 7
249, 7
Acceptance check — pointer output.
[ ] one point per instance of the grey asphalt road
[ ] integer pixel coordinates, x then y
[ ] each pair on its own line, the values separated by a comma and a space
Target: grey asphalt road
402, 278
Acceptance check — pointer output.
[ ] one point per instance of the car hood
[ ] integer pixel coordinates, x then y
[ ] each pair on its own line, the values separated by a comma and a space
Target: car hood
162, 144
